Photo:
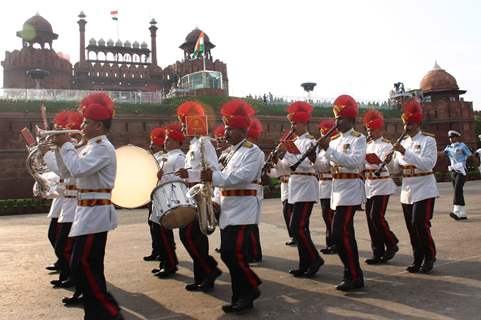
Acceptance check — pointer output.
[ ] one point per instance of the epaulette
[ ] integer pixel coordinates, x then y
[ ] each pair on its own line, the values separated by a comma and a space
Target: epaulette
310, 136
355, 134
428, 134
334, 137
386, 140
247, 144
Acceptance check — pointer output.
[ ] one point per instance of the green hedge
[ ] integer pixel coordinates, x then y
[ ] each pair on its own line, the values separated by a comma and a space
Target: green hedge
24, 206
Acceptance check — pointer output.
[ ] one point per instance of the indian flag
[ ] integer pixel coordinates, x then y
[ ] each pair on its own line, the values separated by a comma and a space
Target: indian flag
115, 15
199, 48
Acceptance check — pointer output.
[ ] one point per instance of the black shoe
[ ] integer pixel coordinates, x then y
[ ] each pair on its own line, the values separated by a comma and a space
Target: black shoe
374, 260
217, 250
62, 284
52, 267
291, 242
348, 285
390, 253
240, 306
415, 267
329, 250
73, 301
193, 287
427, 266
298, 273
209, 281
166, 272
313, 268
455, 217
152, 257
155, 270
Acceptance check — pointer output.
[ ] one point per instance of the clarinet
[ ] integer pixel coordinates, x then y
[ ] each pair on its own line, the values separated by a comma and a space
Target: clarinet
313, 147
377, 173
268, 161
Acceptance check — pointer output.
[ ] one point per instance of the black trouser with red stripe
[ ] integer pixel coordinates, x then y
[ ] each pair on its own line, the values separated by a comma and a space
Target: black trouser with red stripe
458, 183
255, 249
234, 252
197, 244
53, 231
287, 213
345, 241
418, 221
299, 226
327, 215
63, 249
154, 234
382, 237
88, 273
168, 257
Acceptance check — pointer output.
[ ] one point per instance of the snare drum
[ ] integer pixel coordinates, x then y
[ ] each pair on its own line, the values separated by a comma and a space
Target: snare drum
171, 208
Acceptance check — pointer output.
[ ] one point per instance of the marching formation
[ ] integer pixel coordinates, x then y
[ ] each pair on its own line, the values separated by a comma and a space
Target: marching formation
219, 182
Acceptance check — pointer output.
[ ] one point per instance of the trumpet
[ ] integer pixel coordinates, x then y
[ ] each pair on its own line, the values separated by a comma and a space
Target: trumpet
377, 173
271, 155
46, 134
313, 147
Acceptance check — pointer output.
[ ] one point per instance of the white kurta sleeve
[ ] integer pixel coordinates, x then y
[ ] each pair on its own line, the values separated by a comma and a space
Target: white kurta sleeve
246, 174
426, 160
95, 159
353, 160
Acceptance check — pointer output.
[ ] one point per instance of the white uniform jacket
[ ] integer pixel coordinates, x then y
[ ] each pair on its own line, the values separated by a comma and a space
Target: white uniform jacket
69, 205
238, 183
323, 167
95, 168
303, 185
417, 166
283, 175
347, 152
193, 158
382, 185
57, 202
175, 161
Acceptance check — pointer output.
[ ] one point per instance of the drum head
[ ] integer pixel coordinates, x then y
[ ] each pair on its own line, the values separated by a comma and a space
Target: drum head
136, 177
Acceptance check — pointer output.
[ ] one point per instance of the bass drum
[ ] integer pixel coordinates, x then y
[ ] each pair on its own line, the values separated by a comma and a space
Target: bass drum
136, 177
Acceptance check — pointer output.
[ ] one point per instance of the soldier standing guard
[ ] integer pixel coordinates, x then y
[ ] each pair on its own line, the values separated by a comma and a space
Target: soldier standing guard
303, 190
416, 155
239, 203
95, 169
197, 243
325, 189
458, 153
157, 137
346, 151
378, 189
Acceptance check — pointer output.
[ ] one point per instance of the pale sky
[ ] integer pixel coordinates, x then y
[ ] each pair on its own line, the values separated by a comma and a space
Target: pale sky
348, 46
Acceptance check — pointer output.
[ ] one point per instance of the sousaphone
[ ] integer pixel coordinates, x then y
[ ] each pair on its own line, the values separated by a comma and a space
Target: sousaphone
136, 177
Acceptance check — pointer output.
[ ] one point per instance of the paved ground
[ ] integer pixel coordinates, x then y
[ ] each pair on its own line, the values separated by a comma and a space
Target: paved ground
452, 291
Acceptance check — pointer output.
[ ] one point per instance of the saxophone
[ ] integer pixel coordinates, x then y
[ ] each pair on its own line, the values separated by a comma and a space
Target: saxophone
202, 194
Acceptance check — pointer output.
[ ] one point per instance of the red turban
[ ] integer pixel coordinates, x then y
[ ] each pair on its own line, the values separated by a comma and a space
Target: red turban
74, 120
237, 113
189, 108
219, 131
174, 131
157, 136
345, 107
60, 120
373, 119
97, 107
413, 113
326, 125
255, 129
299, 111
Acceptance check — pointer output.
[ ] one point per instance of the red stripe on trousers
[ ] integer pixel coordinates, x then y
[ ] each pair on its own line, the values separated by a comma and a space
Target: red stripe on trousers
350, 255
194, 251
385, 226
91, 280
167, 248
427, 228
241, 261
302, 234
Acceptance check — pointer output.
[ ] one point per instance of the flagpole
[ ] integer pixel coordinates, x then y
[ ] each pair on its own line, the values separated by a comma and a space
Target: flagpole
203, 58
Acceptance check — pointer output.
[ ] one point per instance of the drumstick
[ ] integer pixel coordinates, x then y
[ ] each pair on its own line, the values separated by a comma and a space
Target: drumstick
172, 172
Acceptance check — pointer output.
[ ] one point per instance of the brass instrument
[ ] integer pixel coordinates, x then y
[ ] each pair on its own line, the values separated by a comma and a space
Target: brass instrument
385, 162
268, 162
202, 193
313, 147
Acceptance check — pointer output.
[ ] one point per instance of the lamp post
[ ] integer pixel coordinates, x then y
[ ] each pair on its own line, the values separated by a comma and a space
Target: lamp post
308, 87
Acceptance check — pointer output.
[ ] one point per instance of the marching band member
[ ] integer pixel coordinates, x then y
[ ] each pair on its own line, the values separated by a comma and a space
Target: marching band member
255, 257
174, 139
95, 168
239, 203
157, 137
416, 155
478, 155
325, 186
346, 151
378, 189
196, 243
303, 190
458, 153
